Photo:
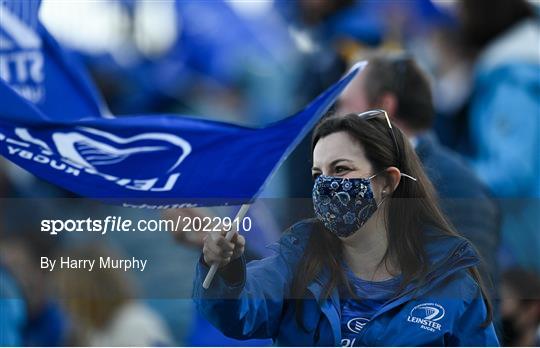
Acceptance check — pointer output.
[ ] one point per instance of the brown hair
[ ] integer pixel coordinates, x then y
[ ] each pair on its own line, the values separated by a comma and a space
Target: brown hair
484, 20
399, 75
413, 207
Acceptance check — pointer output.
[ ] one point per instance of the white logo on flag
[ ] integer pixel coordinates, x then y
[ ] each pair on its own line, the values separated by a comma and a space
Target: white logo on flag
21, 59
91, 153
101, 153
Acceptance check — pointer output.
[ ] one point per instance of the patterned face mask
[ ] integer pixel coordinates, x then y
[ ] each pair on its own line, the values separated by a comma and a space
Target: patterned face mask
343, 205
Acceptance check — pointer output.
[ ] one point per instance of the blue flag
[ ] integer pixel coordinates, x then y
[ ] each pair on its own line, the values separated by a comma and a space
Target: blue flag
166, 160
33, 64
51, 124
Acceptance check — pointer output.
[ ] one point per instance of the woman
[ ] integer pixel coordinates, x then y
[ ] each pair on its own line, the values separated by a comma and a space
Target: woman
379, 266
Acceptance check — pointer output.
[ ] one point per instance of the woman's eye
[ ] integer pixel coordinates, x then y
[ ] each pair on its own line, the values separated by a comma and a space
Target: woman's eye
315, 175
341, 169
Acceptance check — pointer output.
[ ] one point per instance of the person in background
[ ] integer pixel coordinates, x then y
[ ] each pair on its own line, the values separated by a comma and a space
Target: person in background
102, 305
520, 307
503, 117
44, 322
395, 83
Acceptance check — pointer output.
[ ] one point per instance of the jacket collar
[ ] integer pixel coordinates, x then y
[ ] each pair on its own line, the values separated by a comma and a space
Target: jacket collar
444, 252
517, 44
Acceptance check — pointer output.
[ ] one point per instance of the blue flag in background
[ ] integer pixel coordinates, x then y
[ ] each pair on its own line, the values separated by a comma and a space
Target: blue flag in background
155, 159
51, 124
33, 64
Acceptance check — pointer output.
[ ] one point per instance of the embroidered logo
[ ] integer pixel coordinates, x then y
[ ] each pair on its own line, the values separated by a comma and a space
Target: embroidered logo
355, 325
427, 316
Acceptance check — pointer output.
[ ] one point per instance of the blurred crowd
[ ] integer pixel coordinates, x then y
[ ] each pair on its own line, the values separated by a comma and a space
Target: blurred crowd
460, 78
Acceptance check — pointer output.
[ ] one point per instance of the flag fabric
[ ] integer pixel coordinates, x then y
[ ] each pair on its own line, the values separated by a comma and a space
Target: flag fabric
52, 125
39, 69
150, 160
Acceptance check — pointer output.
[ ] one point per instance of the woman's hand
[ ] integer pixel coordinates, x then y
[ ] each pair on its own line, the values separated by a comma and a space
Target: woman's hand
217, 249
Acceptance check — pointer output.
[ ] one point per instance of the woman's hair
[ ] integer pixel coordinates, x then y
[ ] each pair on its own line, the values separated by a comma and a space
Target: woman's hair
412, 209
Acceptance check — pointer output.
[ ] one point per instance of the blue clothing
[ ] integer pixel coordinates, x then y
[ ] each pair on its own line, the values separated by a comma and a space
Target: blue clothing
464, 199
447, 309
204, 334
356, 313
504, 122
12, 311
48, 328
505, 126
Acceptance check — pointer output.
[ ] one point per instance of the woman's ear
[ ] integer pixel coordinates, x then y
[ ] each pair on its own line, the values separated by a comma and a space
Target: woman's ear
393, 177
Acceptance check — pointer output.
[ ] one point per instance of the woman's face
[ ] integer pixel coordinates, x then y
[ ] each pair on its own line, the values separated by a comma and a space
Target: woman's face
338, 154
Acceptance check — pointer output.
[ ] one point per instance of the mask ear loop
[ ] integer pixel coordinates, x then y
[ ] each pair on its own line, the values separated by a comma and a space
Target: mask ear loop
408, 176
374, 175
401, 174
384, 198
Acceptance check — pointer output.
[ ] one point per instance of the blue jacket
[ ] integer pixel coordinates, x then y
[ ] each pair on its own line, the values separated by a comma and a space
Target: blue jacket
258, 305
505, 113
505, 133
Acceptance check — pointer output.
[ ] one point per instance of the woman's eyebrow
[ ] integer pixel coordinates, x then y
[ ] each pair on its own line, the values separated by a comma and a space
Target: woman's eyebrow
336, 161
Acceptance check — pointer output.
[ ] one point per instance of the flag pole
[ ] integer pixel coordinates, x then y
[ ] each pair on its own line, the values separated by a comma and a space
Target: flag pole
213, 269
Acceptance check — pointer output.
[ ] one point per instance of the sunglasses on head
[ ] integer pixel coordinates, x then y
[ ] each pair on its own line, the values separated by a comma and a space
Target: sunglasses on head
368, 115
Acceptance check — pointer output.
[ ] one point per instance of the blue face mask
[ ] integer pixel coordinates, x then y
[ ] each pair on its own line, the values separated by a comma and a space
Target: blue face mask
343, 205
